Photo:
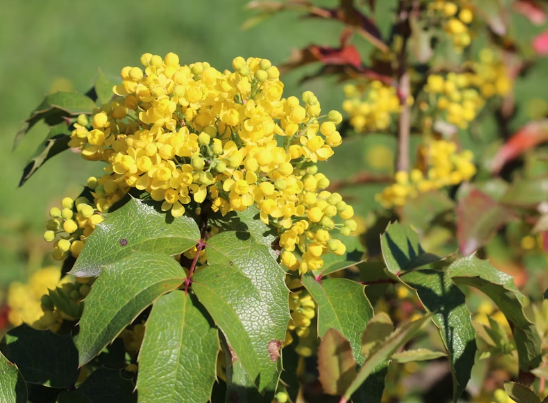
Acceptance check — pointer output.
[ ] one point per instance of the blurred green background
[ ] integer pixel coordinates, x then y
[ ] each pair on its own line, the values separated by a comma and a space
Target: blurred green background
60, 45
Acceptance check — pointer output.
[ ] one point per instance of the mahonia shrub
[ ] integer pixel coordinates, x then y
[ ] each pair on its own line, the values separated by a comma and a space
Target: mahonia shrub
212, 262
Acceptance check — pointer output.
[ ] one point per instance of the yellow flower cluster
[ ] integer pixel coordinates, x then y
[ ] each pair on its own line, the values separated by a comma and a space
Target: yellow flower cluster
459, 97
371, 105
30, 303
455, 17
444, 167
183, 133
69, 227
303, 310
24, 299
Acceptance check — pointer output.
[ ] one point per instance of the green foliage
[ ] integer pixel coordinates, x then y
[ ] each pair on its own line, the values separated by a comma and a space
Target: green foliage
12, 387
520, 393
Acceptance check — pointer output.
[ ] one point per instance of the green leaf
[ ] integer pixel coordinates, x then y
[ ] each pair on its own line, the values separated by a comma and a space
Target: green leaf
526, 192
438, 294
384, 351
247, 221
120, 294
43, 357
103, 88
336, 364
421, 354
56, 142
500, 288
342, 305
378, 329
520, 393
12, 385
401, 249
177, 362
53, 109
136, 226
103, 386
244, 291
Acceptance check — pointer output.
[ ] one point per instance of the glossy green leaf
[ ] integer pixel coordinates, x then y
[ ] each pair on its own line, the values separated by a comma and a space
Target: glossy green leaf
336, 364
342, 305
177, 361
500, 288
53, 109
401, 249
420, 354
244, 291
123, 291
520, 393
104, 386
378, 329
12, 385
383, 351
439, 295
137, 226
56, 142
103, 87
43, 357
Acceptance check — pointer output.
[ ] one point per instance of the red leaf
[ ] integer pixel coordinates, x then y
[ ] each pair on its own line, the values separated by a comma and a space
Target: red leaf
346, 55
532, 10
478, 218
524, 139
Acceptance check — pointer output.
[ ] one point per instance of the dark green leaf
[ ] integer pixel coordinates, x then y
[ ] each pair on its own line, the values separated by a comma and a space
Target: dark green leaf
179, 353
12, 384
421, 354
55, 143
501, 289
342, 305
401, 249
53, 109
104, 386
520, 393
43, 357
439, 295
120, 294
335, 363
244, 291
136, 226
383, 351
103, 88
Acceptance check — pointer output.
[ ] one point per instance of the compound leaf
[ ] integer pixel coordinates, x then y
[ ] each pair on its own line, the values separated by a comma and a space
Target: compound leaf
12, 385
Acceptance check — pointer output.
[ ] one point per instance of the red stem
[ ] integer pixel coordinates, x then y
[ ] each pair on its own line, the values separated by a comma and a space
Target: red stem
188, 280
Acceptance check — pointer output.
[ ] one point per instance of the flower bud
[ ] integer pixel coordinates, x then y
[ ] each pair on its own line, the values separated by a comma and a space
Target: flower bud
197, 163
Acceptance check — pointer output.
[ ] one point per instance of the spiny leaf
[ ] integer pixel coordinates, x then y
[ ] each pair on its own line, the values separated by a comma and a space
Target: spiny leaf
342, 305
501, 289
378, 329
136, 226
124, 289
55, 143
421, 354
44, 358
12, 384
401, 249
53, 109
244, 291
383, 351
438, 294
335, 363
520, 393
178, 357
